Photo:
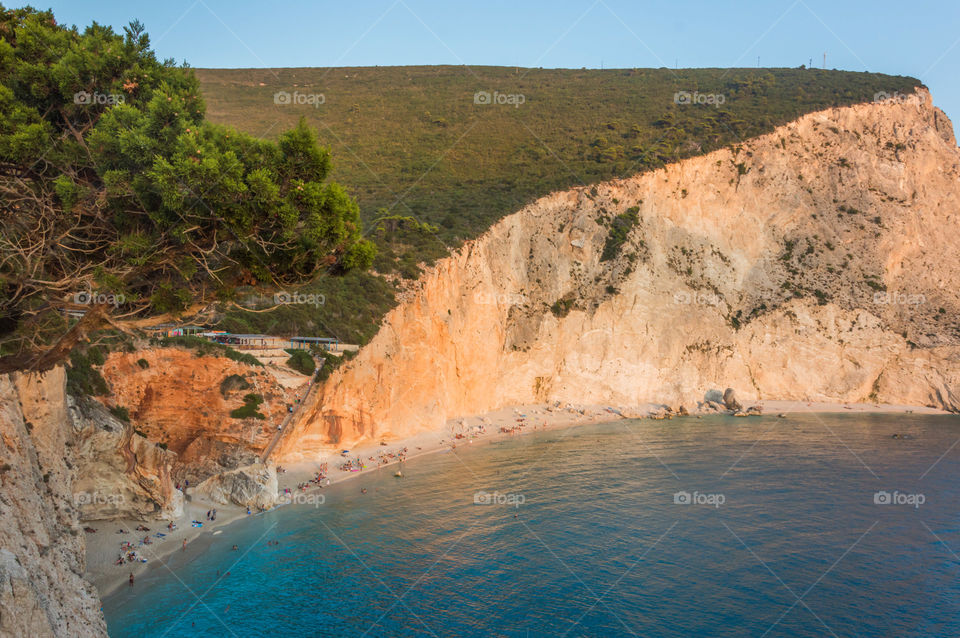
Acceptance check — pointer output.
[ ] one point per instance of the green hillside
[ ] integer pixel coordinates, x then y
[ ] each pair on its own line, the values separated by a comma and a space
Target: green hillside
411, 142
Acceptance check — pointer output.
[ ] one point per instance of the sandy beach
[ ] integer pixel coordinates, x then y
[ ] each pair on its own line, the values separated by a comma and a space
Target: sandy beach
103, 547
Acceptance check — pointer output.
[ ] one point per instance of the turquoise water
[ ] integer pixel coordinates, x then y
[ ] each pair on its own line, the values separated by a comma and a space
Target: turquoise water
584, 538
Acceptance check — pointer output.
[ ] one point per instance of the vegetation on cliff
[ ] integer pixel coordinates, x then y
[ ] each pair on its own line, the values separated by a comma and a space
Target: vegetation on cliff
424, 142
433, 163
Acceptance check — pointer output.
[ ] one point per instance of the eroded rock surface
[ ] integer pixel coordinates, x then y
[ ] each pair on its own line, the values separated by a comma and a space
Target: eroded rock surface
42, 590
817, 262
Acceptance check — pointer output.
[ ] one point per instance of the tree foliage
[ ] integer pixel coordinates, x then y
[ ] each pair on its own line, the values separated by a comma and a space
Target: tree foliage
115, 191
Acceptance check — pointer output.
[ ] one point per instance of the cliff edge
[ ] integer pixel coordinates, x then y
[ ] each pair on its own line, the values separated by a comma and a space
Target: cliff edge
813, 263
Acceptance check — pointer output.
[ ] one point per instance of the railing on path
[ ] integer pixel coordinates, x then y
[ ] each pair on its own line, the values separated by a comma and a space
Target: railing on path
289, 418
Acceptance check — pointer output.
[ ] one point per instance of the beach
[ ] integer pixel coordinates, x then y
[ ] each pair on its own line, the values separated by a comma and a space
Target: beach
103, 547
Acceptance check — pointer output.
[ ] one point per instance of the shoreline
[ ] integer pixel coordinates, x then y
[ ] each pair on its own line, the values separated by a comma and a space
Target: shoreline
103, 547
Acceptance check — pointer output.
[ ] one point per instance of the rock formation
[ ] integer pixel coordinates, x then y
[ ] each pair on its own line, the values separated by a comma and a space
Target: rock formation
42, 590
251, 486
817, 262
730, 400
184, 401
119, 474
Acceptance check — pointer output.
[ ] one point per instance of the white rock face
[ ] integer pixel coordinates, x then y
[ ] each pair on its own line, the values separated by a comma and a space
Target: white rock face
818, 262
119, 474
42, 590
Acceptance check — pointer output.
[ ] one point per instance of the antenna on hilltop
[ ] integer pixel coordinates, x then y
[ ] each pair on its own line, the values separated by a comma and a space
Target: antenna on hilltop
758, 61
824, 59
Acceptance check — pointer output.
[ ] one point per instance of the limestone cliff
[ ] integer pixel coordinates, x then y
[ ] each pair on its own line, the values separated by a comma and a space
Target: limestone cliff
119, 473
817, 262
42, 590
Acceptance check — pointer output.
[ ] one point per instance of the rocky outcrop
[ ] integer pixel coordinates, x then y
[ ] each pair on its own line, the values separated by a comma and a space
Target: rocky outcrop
42, 590
119, 473
175, 397
205, 457
730, 400
813, 263
252, 486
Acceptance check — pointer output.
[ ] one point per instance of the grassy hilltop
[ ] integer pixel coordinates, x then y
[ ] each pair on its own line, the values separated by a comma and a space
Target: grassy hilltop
431, 168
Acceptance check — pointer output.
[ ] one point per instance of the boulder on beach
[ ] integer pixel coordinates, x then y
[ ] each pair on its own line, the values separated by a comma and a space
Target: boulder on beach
730, 400
250, 486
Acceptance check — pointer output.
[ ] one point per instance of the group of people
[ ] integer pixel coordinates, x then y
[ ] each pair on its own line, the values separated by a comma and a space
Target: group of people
383, 458
212, 514
319, 480
129, 557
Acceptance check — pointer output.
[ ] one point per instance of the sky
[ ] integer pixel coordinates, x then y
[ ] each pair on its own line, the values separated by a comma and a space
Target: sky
920, 38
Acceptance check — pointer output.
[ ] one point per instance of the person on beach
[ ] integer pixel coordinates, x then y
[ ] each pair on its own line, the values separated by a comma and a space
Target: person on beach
183, 548
131, 579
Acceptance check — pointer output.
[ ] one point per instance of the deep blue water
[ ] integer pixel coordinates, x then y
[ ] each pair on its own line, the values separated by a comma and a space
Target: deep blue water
598, 547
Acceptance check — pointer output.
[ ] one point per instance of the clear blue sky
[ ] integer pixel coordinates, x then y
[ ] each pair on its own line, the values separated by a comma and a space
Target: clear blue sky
920, 38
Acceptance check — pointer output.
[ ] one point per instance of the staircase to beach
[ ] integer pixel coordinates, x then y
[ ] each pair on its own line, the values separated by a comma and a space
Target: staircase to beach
289, 418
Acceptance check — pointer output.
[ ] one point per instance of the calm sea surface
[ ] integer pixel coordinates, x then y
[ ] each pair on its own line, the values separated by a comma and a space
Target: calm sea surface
579, 532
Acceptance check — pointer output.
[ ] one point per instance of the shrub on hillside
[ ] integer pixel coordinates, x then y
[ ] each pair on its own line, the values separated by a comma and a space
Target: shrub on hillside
619, 230
233, 382
83, 380
301, 361
249, 408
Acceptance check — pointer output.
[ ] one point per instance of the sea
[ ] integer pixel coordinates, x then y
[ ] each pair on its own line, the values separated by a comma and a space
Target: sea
807, 525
